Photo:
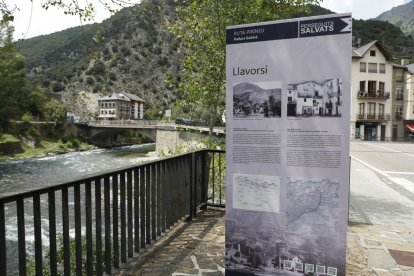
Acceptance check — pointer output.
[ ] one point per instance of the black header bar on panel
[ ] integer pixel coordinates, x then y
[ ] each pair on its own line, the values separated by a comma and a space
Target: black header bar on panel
286, 30
325, 26
262, 33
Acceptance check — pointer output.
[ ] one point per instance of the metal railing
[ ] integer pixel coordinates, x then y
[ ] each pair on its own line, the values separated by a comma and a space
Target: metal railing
128, 122
374, 117
122, 213
383, 95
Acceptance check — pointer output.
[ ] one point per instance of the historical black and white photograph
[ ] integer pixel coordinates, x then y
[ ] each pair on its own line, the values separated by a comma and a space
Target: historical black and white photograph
257, 100
256, 247
322, 98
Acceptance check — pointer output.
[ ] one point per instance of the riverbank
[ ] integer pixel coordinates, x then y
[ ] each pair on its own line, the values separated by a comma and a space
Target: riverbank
29, 147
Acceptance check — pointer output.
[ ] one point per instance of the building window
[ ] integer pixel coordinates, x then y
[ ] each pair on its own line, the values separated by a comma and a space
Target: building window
372, 87
371, 108
381, 86
381, 109
372, 67
399, 94
361, 108
382, 68
304, 99
398, 112
372, 53
362, 86
362, 67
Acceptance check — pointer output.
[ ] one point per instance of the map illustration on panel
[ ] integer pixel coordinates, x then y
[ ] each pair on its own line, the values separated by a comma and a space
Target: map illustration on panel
256, 192
312, 207
257, 100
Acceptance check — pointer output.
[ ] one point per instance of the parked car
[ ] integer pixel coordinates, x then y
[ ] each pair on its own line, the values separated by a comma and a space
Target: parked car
182, 121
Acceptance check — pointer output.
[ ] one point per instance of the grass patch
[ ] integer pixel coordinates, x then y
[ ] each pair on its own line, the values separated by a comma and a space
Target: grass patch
47, 146
8, 138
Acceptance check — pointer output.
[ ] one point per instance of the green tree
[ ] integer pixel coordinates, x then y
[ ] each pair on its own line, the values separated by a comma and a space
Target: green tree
201, 28
55, 112
13, 88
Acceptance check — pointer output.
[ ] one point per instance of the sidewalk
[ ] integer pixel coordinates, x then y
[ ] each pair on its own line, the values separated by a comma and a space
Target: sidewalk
198, 249
195, 248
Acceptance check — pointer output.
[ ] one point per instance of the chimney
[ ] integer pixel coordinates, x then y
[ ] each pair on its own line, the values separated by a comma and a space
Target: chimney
405, 61
358, 42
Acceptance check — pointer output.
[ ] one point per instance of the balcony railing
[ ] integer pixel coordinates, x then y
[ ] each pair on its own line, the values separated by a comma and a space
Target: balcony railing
373, 95
122, 213
398, 116
374, 117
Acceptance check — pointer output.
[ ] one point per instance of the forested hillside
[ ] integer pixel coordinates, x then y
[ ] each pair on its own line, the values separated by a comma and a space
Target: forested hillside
391, 36
132, 51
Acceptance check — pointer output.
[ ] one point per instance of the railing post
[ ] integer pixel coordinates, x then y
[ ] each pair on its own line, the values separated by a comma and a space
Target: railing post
136, 209
98, 227
153, 203
129, 214
37, 218
3, 269
107, 211
88, 212
52, 233
65, 226
204, 188
21, 236
115, 232
123, 219
78, 230
189, 161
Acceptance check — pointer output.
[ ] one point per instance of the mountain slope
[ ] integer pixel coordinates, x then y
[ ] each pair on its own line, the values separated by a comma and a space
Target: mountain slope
391, 36
402, 17
137, 55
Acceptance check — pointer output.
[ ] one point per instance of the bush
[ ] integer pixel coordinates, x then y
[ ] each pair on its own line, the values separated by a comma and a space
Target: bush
57, 87
112, 76
27, 117
90, 80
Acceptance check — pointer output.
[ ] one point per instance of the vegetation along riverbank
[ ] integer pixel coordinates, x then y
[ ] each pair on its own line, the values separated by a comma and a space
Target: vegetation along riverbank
36, 139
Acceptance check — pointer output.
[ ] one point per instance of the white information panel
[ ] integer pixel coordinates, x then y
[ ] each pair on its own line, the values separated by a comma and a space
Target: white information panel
288, 116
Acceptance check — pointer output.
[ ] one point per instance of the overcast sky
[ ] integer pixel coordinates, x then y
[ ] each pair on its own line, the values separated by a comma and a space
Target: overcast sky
53, 20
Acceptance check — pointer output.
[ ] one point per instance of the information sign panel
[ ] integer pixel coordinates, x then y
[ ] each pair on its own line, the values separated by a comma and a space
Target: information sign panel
287, 154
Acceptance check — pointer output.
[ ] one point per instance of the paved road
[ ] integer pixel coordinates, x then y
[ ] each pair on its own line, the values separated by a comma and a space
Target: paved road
382, 181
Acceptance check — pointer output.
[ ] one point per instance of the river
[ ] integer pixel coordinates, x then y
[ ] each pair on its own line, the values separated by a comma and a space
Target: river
28, 174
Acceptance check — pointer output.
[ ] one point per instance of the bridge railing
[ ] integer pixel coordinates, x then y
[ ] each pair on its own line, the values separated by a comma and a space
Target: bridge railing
97, 224
123, 123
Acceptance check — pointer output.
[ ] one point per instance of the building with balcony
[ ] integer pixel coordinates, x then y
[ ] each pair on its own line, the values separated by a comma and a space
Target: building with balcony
408, 104
315, 98
119, 106
371, 97
398, 88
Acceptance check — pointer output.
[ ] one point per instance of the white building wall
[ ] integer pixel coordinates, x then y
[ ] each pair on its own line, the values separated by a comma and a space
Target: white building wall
141, 111
136, 110
409, 96
358, 76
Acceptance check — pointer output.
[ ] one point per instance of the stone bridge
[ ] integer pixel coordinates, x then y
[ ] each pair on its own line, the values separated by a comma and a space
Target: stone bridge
166, 136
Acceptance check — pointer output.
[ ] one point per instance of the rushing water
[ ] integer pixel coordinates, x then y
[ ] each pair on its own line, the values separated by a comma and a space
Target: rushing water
29, 174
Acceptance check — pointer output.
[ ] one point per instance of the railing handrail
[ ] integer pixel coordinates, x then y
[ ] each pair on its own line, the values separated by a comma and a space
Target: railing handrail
9, 197
124, 211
